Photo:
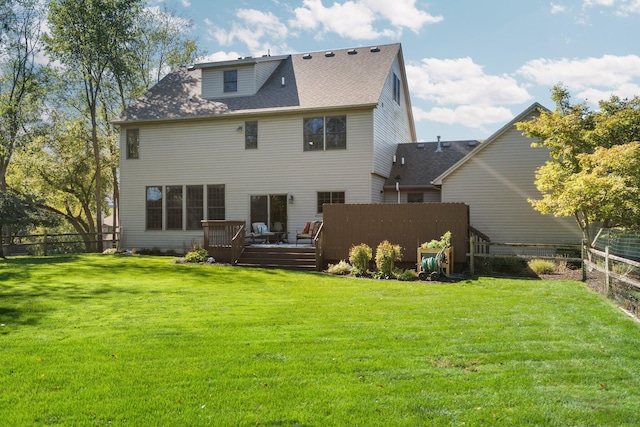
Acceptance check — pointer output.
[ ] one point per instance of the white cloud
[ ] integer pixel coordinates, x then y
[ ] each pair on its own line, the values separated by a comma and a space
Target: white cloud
356, 19
219, 56
557, 8
461, 81
609, 73
620, 7
253, 26
606, 3
632, 7
185, 3
472, 116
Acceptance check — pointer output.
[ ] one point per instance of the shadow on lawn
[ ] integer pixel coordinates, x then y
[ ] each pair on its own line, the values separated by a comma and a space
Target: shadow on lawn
31, 287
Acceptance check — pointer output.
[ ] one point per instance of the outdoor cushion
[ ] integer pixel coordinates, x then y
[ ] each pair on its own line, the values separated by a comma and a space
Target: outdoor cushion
306, 228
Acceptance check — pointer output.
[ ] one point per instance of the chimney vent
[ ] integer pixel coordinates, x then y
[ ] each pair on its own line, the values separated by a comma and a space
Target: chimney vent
439, 147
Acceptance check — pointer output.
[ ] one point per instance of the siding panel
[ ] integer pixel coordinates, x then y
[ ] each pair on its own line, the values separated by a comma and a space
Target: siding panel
497, 183
212, 152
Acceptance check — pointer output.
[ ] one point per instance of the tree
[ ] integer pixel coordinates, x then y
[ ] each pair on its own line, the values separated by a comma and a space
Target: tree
164, 44
594, 170
96, 37
21, 94
69, 192
17, 213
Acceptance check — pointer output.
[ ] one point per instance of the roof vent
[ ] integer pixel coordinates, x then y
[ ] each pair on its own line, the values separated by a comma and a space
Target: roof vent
446, 144
439, 147
352, 51
191, 67
329, 54
473, 143
375, 49
421, 145
306, 56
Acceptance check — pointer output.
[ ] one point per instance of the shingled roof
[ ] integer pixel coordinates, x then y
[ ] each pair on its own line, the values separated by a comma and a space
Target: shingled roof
419, 163
342, 78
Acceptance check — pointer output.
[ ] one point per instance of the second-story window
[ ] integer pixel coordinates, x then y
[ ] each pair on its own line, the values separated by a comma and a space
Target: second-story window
133, 144
324, 133
250, 135
231, 81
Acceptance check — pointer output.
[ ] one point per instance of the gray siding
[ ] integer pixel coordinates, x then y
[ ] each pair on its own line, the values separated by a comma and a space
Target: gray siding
213, 82
391, 125
264, 71
212, 152
496, 183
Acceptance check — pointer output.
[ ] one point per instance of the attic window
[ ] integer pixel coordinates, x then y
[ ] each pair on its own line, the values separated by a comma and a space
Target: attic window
352, 51
375, 49
329, 54
396, 89
231, 81
306, 56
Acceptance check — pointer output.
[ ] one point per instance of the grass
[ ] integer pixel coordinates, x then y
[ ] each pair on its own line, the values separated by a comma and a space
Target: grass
94, 339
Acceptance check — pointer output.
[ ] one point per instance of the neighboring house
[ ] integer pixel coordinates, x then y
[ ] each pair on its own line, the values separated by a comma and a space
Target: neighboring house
416, 164
267, 139
496, 180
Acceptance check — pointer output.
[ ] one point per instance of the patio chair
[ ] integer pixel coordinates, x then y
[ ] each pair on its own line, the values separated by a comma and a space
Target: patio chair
259, 230
309, 232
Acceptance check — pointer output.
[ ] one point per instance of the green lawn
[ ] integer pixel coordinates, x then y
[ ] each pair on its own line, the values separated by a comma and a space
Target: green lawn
140, 341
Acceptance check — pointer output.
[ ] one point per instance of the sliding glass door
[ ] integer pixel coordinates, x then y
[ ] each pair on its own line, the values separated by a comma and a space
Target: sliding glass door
270, 209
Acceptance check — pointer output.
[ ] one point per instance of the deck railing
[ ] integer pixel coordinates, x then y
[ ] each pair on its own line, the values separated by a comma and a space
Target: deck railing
317, 243
224, 240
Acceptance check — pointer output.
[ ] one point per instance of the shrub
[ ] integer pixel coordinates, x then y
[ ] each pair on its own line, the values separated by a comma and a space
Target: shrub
542, 266
445, 240
153, 251
360, 257
198, 255
386, 256
341, 268
406, 275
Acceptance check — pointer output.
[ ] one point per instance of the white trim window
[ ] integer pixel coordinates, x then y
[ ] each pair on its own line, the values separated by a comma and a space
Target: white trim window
324, 133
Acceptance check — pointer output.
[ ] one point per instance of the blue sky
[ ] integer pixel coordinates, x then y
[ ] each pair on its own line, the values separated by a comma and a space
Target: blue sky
472, 65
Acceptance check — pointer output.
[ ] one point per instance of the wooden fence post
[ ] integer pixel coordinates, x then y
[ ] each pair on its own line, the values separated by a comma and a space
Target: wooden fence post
472, 247
606, 271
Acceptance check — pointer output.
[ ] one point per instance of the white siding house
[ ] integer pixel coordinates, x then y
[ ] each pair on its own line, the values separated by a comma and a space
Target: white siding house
227, 141
496, 180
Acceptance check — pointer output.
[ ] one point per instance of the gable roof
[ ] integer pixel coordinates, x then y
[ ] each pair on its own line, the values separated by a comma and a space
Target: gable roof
423, 162
345, 78
520, 117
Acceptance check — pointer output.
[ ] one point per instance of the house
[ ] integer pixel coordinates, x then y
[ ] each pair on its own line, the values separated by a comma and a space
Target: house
269, 139
496, 179
416, 165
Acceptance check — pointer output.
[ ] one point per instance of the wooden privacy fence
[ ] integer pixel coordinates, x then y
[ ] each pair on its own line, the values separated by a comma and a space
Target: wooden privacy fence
407, 224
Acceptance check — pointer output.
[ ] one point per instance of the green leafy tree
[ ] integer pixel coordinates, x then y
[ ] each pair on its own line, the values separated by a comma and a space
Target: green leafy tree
96, 38
21, 88
18, 213
59, 169
21, 79
594, 170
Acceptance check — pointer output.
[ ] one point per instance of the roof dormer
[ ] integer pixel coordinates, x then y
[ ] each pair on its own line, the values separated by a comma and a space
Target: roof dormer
241, 77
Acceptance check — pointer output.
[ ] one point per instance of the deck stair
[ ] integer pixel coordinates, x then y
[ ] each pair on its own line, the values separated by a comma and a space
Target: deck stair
279, 256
